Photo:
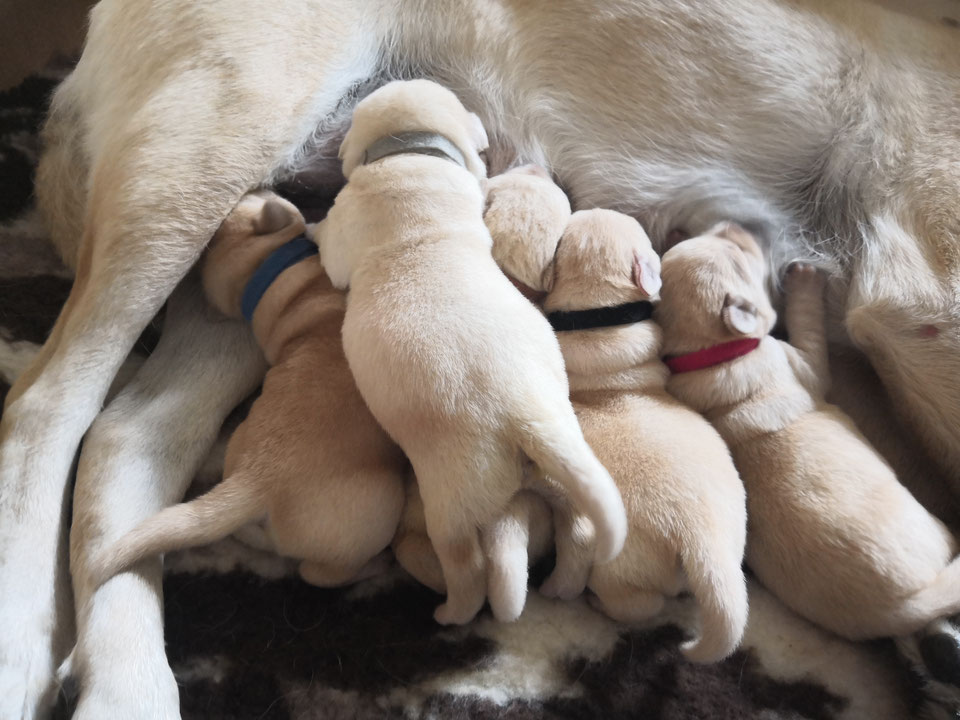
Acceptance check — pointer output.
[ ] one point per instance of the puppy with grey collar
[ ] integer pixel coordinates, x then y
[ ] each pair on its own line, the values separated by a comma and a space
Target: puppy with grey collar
456, 365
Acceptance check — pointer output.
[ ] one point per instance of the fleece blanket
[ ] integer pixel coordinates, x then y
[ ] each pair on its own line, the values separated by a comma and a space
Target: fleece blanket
248, 639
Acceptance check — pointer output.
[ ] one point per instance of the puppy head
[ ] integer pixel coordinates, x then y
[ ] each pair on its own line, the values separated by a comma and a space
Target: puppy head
604, 259
713, 291
526, 214
260, 223
414, 106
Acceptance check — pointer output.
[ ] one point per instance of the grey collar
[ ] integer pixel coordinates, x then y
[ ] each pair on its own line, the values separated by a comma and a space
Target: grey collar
421, 143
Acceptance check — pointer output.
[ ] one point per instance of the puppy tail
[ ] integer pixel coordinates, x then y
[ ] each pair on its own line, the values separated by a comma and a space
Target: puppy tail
210, 517
562, 453
721, 592
939, 599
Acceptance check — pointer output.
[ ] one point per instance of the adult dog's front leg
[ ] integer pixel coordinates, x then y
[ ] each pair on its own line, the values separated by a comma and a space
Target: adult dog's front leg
138, 457
903, 310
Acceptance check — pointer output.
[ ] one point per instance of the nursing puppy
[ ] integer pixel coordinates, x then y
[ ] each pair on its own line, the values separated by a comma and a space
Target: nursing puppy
525, 213
684, 499
309, 460
457, 366
831, 531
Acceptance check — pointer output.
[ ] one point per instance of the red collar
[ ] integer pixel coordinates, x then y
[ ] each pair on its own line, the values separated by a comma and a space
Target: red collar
708, 357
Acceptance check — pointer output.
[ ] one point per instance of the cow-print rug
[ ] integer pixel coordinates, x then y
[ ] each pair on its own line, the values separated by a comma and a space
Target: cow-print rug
248, 639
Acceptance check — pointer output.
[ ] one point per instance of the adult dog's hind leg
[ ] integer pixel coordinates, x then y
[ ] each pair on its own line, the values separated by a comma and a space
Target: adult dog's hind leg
138, 457
171, 149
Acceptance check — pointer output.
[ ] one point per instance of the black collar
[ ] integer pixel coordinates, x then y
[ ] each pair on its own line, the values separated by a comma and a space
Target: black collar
601, 317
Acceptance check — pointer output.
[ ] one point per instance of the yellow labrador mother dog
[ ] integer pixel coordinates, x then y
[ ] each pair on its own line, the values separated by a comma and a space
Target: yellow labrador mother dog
828, 128
459, 368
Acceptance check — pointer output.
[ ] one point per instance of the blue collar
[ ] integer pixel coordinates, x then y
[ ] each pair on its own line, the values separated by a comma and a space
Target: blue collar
290, 253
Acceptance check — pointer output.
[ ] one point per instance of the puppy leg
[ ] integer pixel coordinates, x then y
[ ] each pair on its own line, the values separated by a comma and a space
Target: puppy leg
573, 535
138, 457
506, 544
903, 311
415, 554
450, 520
805, 326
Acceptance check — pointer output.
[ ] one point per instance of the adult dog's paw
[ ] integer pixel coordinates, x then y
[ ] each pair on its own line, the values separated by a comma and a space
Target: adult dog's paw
122, 686
801, 277
27, 687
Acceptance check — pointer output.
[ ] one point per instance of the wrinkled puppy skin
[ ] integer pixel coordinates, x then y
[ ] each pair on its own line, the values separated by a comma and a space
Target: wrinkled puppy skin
832, 531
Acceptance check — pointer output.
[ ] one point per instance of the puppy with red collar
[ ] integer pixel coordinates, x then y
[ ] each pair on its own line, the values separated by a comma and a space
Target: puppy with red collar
831, 530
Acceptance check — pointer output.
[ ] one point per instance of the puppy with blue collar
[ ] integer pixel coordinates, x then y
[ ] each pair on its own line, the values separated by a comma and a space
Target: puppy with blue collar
461, 370
309, 462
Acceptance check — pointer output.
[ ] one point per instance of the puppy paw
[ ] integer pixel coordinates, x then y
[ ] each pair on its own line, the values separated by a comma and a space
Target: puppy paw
803, 277
447, 614
561, 586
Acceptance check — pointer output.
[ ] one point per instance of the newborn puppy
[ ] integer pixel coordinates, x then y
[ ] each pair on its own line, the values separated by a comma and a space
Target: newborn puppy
685, 502
458, 367
831, 530
309, 459
525, 213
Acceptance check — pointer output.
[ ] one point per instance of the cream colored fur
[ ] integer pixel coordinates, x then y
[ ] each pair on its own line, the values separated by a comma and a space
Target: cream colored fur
684, 499
828, 127
525, 214
518, 538
832, 531
456, 365
309, 461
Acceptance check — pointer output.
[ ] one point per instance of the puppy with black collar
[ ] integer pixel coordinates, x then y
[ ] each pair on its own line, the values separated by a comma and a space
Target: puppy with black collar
458, 367
684, 500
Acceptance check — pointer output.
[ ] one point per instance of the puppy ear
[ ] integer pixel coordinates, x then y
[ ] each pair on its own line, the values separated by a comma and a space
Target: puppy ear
739, 315
478, 135
274, 216
738, 236
548, 277
646, 275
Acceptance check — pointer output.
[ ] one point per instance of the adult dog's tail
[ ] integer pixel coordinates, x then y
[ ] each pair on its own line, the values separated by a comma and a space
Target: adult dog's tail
558, 447
210, 517
717, 582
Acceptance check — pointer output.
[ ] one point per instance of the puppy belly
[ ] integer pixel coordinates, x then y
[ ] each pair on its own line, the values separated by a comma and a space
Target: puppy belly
831, 531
